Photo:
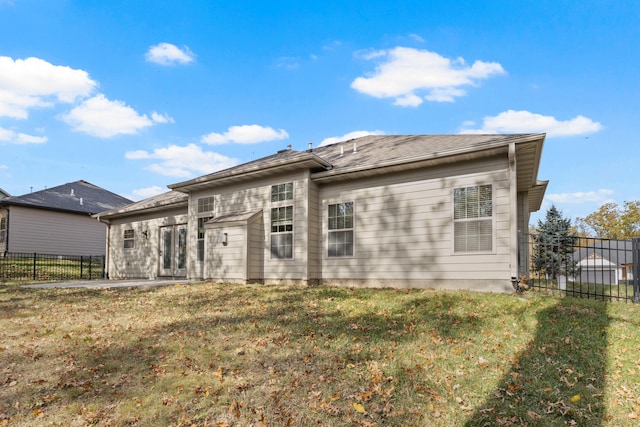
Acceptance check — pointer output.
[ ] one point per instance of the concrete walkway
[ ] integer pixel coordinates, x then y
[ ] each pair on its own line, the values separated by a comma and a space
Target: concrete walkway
109, 284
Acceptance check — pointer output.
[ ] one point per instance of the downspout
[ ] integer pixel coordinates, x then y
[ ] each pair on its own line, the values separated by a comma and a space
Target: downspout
108, 245
513, 216
107, 252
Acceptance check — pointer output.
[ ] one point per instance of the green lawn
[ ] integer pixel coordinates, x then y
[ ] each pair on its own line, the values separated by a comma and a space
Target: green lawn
228, 355
49, 268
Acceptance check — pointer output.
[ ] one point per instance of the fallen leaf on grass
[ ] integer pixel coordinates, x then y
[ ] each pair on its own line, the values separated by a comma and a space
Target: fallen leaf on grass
534, 415
359, 408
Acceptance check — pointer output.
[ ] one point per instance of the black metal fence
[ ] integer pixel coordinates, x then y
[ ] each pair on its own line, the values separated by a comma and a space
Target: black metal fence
583, 267
15, 267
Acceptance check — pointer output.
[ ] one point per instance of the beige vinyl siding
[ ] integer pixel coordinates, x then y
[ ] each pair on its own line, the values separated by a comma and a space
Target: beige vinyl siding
255, 250
58, 233
314, 233
404, 226
252, 196
227, 263
141, 261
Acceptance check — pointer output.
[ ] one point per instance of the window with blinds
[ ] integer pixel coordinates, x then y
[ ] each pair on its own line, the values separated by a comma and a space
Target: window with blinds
473, 218
340, 230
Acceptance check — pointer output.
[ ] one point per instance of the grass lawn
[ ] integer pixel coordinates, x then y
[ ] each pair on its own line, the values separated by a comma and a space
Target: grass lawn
228, 355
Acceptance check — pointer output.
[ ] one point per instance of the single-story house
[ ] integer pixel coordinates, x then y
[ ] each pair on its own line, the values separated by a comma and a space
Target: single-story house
57, 220
607, 262
383, 210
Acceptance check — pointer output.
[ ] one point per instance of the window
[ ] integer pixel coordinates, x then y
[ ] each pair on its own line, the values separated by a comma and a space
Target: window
282, 192
201, 222
205, 206
128, 239
3, 230
282, 232
341, 229
473, 218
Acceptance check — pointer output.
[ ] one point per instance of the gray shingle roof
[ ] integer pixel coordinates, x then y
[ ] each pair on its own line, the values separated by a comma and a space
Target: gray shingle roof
159, 201
371, 152
78, 197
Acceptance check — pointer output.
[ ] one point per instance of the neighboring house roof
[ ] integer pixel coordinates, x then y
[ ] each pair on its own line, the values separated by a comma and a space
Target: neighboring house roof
76, 197
619, 252
3, 194
154, 203
378, 154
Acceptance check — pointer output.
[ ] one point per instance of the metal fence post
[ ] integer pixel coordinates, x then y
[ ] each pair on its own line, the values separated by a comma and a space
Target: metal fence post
635, 245
35, 257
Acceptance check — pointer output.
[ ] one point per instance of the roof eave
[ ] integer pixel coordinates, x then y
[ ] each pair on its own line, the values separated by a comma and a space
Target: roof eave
6, 204
536, 195
121, 213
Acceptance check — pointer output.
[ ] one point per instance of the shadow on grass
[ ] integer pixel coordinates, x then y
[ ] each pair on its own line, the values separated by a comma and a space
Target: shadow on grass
196, 357
559, 379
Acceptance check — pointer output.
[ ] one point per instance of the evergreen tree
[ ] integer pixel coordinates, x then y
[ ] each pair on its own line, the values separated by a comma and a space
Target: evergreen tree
554, 245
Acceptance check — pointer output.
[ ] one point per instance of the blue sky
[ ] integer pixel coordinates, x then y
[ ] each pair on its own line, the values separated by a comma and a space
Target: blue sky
135, 95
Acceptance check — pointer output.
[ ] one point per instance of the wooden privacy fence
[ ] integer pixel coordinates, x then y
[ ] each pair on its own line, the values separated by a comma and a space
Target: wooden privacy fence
50, 268
584, 267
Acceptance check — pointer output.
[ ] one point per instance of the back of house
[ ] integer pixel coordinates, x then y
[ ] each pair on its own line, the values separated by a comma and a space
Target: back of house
387, 210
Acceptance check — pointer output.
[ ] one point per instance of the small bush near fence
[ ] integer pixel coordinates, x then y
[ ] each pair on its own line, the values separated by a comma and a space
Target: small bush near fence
49, 268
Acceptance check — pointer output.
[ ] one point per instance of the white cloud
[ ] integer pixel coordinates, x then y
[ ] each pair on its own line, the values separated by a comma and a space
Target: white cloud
33, 82
369, 54
161, 118
183, 161
407, 71
245, 134
348, 136
143, 193
169, 54
103, 118
600, 196
416, 37
525, 122
288, 62
334, 44
12, 137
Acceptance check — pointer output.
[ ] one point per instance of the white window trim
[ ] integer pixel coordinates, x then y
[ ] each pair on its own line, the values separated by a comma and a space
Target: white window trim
280, 204
285, 202
353, 229
493, 221
126, 239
